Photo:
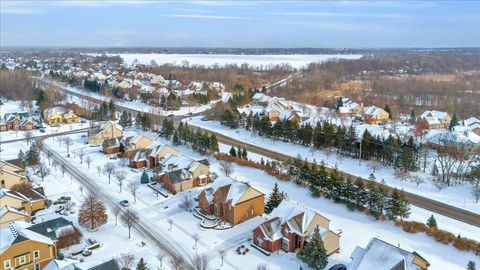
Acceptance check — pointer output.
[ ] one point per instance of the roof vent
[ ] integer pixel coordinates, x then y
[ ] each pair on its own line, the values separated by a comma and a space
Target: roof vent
13, 230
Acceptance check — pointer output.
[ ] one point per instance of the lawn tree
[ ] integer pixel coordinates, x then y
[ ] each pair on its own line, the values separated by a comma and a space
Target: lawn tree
200, 262
431, 222
170, 223
109, 169
160, 257
28, 136
226, 167
48, 154
99, 170
126, 260
476, 193
196, 237
68, 142
129, 218
81, 154
233, 152
144, 179
141, 265
274, 199
42, 170
187, 203
446, 160
417, 180
116, 211
92, 213
262, 266
88, 160
133, 188
314, 253
62, 167
222, 253
120, 175
60, 140
374, 164
177, 264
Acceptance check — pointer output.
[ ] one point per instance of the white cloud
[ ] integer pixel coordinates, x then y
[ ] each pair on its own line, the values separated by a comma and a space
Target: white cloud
337, 14
226, 3
208, 17
19, 7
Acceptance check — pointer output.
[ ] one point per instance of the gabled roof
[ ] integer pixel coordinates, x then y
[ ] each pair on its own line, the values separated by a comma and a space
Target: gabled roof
373, 111
179, 176
61, 265
52, 228
108, 265
17, 232
6, 209
382, 256
232, 191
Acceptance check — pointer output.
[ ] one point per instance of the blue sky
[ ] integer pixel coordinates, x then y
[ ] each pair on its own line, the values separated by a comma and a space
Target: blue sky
336, 24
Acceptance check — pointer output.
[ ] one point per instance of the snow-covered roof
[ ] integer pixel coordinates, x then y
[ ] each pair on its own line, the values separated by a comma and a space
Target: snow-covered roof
17, 232
381, 255
65, 264
433, 113
235, 192
372, 111
4, 210
458, 135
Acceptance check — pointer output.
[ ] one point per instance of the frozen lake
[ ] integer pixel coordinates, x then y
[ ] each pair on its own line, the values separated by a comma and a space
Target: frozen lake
296, 60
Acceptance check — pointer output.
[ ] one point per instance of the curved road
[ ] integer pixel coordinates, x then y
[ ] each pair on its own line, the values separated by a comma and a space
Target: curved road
414, 199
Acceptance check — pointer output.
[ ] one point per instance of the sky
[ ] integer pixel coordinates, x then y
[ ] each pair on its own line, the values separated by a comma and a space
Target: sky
240, 24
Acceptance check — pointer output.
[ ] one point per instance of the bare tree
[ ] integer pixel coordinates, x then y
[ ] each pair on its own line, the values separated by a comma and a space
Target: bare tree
126, 261
48, 154
170, 223
417, 180
124, 162
200, 262
28, 136
109, 169
68, 142
120, 175
92, 213
374, 164
116, 211
129, 218
226, 167
196, 237
476, 193
262, 266
99, 170
88, 160
223, 254
187, 203
81, 154
42, 170
446, 159
177, 264
133, 188
59, 140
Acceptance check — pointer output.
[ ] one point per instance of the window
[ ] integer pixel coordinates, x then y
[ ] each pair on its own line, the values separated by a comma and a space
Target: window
37, 266
6, 264
22, 259
36, 254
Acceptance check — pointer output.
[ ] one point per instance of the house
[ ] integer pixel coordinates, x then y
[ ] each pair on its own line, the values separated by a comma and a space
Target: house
9, 214
436, 119
154, 155
260, 99
381, 255
111, 146
17, 121
64, 264
108, 130
291, 226
183, 173
21, 248
29, 200
59, 115
473, 124
232, 201
108, 265
10, 166
349, 108
135, 143
374, 115
53, 229
8, 179
26, 124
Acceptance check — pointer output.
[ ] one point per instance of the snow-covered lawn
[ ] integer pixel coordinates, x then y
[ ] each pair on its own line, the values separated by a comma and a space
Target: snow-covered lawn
296, 60
458, 195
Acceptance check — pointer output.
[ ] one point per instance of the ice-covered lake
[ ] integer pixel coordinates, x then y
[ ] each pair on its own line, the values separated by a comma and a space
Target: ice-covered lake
295, 60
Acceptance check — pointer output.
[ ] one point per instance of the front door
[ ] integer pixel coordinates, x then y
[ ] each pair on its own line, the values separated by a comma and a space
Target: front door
285, 244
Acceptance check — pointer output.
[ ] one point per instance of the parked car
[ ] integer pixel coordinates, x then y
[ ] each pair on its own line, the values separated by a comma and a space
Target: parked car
338, 267
189, 114
42, 130
124, 203
171, 115
84, 136
92, 241
83, 121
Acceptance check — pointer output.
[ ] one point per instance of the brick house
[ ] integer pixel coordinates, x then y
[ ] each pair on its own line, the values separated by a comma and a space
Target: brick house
232, 201
111, 146
183, 173
291, 226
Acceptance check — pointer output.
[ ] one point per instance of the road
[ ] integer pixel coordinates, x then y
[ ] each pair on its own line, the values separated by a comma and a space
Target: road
414, 199
143, 226
48, 135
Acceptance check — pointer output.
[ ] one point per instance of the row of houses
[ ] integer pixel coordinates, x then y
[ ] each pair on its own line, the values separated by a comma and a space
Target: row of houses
59, 115
21, 121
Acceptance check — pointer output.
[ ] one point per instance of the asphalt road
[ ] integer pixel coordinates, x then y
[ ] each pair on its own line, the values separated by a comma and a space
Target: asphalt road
143, 226
414, 199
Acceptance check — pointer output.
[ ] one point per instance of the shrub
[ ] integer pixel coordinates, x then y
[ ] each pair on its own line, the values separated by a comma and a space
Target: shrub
412, 226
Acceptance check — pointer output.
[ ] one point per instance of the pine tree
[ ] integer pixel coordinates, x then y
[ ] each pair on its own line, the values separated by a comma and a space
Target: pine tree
233, 152
175, 139
213, 143
413, 118
431, 222
123, 119
144, 179
315, 254
397, 206
244, 153
471, 265
111, 109
389, 111
141, 265
138, 120
453, 122
274, 199
32, 157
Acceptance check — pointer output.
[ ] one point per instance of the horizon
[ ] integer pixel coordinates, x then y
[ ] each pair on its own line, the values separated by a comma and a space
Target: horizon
240, 24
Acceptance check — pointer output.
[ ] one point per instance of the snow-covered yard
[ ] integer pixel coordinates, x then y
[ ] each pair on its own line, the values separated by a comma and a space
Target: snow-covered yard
458, 195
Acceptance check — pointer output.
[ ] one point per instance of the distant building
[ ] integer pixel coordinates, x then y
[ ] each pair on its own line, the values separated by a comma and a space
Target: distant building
59, 115
380, 255
436, 119
374, 115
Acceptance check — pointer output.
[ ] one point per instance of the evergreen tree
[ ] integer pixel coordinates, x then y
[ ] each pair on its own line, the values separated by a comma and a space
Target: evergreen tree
146, 121
274, 199
339, 104
453, 122
138, 120
130, 119
121, 148
389, 111
315, 254
123, 119
233, 152
244, 153
413, 118
144, 179
471, 265
141, 265
213, 143
175, 139
111, 109
431, 222
397, 206
361, 195
32, 157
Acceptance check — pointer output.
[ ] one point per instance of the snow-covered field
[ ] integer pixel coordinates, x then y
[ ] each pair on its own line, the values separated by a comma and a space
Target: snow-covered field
458, 195
296, 60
